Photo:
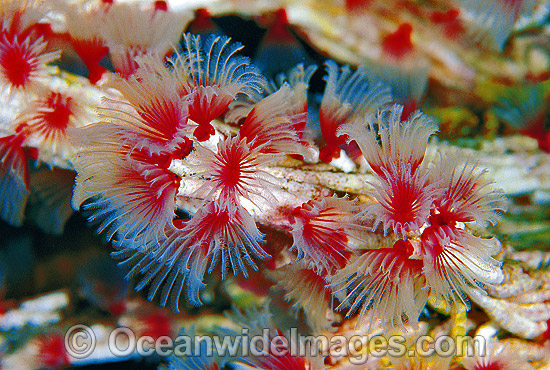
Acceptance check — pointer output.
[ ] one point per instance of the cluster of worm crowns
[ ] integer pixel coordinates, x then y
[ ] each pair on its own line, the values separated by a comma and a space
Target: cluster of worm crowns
183, 171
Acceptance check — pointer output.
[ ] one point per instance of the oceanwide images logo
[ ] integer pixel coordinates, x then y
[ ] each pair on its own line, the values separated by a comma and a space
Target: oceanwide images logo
81, 342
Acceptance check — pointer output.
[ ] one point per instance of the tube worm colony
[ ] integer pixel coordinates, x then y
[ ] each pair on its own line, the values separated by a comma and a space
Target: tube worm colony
182, 168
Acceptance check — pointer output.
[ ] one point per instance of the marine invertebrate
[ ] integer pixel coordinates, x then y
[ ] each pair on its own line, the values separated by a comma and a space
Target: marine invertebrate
14, 179
233, 171
525, 109
39, 132
423, 204
468, 195
150, 148
81, 23
179, 207
211, 74
277, 123
456, 262
348, 97
274, 351
404, 199
308, 291
153, 117
45, 121
395, 151
386, 141
385, 281
292, 100
500, 356
19, 17
130, 31
280, 49
143, 135
133, 206
215, 233
493, 20
320, 230
223, 228
23, 62
398, 44
23, 55
137, 207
